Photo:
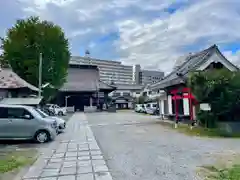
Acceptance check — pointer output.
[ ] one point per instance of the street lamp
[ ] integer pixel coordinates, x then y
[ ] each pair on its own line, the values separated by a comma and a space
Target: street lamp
40, 75
40, 86
66, 98
45, 85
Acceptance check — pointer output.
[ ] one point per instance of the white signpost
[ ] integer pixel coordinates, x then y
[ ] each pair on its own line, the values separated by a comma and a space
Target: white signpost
205, 107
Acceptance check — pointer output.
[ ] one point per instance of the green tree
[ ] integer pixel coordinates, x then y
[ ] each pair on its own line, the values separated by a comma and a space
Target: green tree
141, 99
26, 40
219, 88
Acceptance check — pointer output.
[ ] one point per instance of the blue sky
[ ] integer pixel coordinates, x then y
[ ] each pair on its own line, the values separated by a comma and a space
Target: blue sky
153, 33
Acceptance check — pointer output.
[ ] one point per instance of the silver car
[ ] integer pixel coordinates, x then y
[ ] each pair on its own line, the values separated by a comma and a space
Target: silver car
24, 122
61, 124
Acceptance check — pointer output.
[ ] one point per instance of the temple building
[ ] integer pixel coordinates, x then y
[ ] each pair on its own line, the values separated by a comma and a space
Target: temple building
83, 88
12, 86
15, 90
176, 99
124, 94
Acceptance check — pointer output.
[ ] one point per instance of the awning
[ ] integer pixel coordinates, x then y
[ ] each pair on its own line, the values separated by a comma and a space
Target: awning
21, 101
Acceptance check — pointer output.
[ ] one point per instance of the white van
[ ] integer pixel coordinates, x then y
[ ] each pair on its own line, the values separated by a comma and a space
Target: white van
151, 108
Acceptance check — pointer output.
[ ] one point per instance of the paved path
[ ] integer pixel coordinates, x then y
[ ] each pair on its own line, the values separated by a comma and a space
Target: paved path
128, 146
136, 147
74, 155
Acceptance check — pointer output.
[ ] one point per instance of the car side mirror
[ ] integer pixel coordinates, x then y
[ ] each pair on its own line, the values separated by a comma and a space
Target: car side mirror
27, 116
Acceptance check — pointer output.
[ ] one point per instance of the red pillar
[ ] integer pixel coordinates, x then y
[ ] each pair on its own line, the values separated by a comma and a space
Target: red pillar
190, 104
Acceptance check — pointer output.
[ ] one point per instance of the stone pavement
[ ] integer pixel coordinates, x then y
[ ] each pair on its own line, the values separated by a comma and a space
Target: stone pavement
74, 155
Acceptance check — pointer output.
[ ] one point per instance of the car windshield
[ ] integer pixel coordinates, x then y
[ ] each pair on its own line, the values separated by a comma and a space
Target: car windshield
41, 113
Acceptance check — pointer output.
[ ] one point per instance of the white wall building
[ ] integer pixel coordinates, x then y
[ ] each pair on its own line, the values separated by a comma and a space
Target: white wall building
109, 70
115, 71
150, 77
146, 77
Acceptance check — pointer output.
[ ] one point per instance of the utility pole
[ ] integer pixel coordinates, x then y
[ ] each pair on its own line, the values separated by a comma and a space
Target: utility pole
40, 75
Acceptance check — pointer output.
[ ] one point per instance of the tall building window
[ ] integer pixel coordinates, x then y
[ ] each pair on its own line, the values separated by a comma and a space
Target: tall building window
126, 94
116, 94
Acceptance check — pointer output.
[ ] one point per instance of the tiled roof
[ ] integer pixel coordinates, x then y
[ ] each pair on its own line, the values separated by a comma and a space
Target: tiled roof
21, 101
192, 62
10, 80
84, 79
103, 85
128, 86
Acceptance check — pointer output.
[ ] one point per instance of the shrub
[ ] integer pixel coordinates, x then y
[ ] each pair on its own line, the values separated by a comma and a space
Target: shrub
207, 119
219, 88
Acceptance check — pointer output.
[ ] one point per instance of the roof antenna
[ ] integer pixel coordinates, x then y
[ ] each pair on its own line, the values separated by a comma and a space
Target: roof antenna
87, 55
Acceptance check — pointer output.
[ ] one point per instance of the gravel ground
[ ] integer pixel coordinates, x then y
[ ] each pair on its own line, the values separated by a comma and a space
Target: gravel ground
136, 147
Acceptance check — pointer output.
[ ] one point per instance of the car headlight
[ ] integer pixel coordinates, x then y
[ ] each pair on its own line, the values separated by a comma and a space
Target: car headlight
54, 125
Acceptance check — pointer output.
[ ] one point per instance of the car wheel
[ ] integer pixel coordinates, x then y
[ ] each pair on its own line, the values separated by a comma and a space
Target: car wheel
42, 137
60, 113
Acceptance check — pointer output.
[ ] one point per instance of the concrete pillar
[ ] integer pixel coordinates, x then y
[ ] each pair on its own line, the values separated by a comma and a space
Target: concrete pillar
162, 106
90, 101
170, 104
186, 109
130, 105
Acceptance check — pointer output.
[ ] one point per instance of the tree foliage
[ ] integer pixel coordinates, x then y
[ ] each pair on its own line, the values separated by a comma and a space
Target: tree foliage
26, 40
219, 88
140, 100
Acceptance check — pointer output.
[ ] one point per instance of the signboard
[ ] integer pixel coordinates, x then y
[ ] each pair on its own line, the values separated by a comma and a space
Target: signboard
205, 107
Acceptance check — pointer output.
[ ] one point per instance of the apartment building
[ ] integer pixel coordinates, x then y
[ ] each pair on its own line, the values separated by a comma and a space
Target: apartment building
145, 77
150, 77
110, 71
115, 71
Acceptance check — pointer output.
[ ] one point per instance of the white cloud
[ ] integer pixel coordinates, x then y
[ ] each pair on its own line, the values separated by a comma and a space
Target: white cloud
148, 34
158, 43
235, 58
79, 32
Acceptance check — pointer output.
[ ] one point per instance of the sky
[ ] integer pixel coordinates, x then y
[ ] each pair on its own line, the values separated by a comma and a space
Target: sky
153, 33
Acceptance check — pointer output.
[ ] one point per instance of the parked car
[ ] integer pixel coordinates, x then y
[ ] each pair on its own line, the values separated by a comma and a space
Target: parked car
60, 111
143, 110
138, 108
61, 123
48, 111
25, 122
151, 108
